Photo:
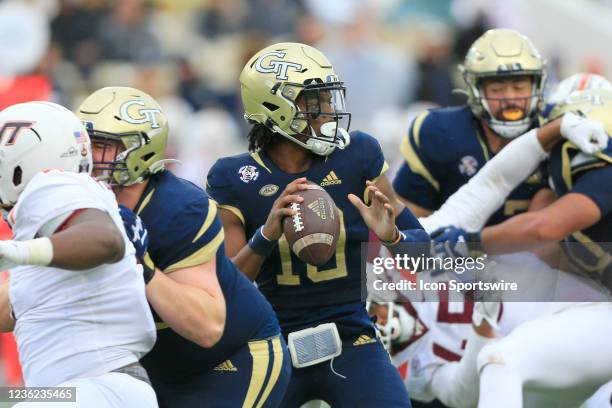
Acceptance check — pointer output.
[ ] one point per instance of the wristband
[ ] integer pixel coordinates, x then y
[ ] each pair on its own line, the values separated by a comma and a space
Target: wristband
395, 241
260, 244
37, 251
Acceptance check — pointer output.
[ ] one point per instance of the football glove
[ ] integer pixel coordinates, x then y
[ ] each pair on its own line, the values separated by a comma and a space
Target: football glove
456, 242
588, 135
135, 230
139, 237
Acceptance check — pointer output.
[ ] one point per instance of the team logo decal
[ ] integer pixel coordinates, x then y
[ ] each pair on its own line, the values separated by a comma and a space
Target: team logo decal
268, 190
248, 173
10, 131
143, 115
277, 67
468, 166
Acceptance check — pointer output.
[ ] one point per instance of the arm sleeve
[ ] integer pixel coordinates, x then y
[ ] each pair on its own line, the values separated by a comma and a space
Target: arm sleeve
196, 234
222, 191
592, 183
471, 206
415, 181
455, 384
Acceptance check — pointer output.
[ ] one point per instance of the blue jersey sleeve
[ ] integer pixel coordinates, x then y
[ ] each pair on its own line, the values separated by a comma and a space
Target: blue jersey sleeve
415, 181
373, 159
222, 190
593, 185
196, 235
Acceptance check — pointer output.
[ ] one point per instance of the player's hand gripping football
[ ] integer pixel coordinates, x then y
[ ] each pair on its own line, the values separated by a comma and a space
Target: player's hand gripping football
379, 215
273, 228
138, 235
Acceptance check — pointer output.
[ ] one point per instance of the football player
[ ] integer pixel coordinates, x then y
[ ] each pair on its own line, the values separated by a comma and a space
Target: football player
438, 370
295, 102
581, 217
218, 340
445, 147
75, 298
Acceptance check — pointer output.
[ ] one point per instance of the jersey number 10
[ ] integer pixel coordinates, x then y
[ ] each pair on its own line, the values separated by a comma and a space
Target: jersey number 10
316, 274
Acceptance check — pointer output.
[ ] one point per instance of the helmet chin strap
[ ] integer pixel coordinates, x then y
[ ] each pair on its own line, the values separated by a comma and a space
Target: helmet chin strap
318, 146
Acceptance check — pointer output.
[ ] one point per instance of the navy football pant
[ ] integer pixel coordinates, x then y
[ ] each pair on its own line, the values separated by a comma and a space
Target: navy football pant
371, 381
255, 376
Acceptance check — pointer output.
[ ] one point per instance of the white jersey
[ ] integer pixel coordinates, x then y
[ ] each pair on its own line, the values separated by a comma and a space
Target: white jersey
442, 332
73, 324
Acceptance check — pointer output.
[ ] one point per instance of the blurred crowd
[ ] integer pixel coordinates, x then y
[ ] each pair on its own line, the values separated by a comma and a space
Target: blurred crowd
397, 57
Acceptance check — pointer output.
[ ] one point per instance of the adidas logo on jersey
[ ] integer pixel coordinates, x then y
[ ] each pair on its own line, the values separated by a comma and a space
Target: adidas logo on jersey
331, 180
318, 207
226, 366
363, 340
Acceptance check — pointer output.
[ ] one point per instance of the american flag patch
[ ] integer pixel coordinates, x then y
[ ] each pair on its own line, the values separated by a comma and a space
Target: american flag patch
80, 136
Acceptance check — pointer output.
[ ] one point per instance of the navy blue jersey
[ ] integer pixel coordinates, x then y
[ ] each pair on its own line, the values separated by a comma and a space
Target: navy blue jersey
444, 148
572, 171
185, 231
305, 295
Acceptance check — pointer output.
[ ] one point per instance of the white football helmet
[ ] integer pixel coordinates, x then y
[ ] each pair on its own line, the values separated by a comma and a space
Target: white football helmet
399, 327
37, 136
575, 83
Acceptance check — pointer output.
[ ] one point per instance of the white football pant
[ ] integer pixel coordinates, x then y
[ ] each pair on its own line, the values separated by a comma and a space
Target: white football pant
111, 390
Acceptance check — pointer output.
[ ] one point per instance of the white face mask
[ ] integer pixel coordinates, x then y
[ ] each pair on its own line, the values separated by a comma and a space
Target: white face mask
324, 144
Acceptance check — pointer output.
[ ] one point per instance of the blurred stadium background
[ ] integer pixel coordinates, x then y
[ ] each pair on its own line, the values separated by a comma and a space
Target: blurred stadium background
396, 56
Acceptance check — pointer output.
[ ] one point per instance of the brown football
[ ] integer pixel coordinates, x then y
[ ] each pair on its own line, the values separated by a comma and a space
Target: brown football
313, 232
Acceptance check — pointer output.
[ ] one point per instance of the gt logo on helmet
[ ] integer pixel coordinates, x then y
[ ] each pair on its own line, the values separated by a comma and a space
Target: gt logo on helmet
280, 68
146, 115
8, 137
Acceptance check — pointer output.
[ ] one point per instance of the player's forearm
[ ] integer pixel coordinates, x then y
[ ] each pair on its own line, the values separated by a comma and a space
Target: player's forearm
248, 262
7, 323
87, 245
550, 134
520, 232
190, 311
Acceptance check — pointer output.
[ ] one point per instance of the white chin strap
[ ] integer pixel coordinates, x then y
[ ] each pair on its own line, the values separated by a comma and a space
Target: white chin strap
317, 144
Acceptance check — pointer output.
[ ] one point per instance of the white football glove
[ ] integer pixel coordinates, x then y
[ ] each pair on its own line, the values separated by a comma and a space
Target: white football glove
488, 311
33, 252
588, 135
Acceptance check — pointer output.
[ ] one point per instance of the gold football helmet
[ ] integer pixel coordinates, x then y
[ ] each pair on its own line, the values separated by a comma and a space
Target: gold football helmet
135, 120
273, 80
503, 53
